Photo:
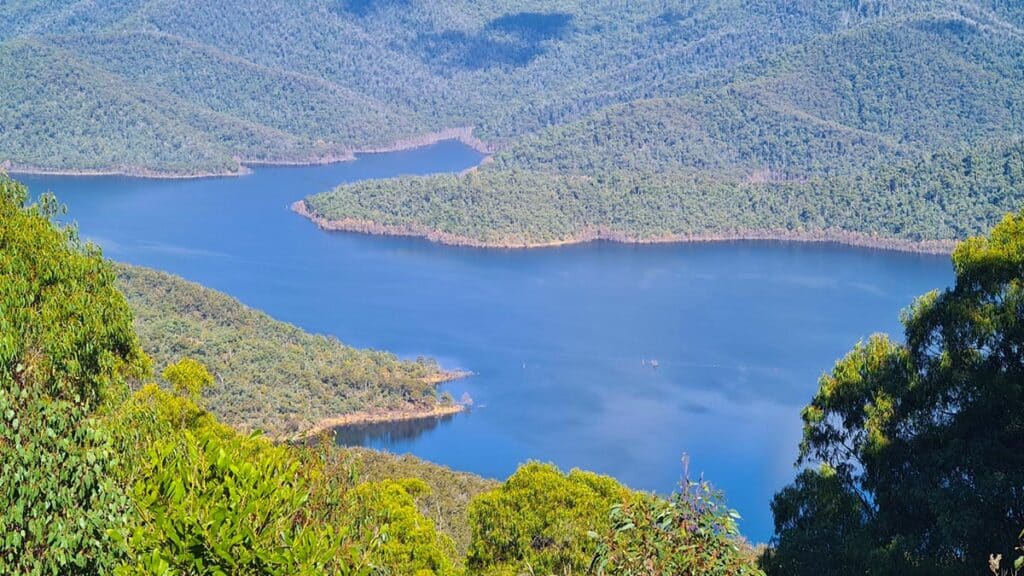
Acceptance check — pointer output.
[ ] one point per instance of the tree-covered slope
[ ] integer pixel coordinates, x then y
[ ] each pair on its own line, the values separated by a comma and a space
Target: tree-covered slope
313, 79
923, 204
898, 132
447, 503
270, 376
322, 115
52, 110
837, 104
60, 108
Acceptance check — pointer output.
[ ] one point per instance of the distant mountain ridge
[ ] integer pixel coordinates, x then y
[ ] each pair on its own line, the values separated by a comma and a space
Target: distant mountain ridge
199, 87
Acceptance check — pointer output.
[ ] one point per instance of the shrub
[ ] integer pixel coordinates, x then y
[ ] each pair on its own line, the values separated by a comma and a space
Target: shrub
540, 521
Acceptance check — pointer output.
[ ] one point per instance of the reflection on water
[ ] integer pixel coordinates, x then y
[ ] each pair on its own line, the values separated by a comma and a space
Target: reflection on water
387, 435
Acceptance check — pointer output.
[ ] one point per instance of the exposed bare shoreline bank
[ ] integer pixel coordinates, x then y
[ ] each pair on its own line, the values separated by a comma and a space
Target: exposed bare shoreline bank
15, 170
375, 416
463, 135
858, 239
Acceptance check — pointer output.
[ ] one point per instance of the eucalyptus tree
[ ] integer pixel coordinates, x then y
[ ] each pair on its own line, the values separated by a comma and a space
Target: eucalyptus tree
919, 443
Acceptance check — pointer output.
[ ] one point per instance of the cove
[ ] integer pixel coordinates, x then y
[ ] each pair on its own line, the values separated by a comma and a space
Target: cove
561, 339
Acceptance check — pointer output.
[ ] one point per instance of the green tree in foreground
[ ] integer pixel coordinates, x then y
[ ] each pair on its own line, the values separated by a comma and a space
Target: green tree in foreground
539, 521
688, 534
66, 347
920, 441
384, 518
188, 378
544, 522
206, 500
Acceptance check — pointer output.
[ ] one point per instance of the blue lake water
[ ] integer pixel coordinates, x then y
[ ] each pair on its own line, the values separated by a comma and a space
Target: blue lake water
560, 339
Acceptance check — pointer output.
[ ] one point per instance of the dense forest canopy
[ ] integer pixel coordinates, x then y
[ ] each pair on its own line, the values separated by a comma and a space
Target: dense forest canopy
902, 130
282, 80
920, 204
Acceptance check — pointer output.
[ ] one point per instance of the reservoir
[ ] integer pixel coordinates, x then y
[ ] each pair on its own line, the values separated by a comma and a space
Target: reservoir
608, 357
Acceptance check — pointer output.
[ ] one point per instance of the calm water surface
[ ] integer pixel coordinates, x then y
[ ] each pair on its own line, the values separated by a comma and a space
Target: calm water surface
561, 339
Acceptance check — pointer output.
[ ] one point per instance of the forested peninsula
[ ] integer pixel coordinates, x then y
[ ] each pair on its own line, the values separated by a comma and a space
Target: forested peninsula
272, 376
924, 205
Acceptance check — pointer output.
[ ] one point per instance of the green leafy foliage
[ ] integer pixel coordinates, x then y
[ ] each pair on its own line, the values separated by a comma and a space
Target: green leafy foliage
383, 515
920, 439
66, 348
271, 376
208, 500
818, 513
188, 378
539, 521
691, 533
446, 502
210, 504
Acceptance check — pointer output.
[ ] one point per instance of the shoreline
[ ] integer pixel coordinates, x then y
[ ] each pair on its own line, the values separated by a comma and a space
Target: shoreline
834, 236
446, 376
379, 416
463, 135
15, 170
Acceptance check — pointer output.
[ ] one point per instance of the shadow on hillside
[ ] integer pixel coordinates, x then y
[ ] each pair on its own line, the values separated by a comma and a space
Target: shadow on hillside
509, 41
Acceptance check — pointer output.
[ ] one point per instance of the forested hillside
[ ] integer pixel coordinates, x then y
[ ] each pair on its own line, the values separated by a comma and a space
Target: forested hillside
902, 131
923, 204
270, 376
204, 85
